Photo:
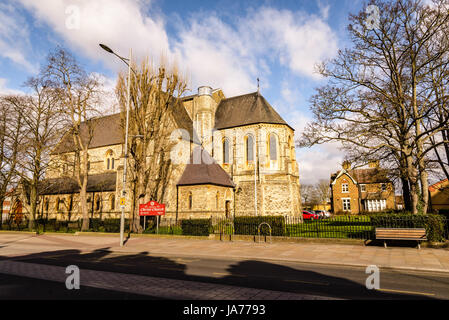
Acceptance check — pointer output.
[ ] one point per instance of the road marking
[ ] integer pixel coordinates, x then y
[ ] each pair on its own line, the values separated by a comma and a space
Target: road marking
171, 269
181, 260
309, 282
227, 274
409, 292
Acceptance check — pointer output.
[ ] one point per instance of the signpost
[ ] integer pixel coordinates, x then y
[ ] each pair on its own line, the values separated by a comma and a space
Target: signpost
152, 208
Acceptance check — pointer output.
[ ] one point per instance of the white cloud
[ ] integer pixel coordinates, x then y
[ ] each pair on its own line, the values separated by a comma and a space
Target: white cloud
121, 24
227, 55
4, 90
14, 38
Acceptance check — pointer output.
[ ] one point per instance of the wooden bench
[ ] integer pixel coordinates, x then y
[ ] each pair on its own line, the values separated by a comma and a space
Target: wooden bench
418, 234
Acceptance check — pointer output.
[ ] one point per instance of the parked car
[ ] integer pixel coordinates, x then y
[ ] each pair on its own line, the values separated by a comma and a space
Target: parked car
307, 215
323, 213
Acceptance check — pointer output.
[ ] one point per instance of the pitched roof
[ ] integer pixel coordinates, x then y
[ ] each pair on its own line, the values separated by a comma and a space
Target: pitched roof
370, 175
361, 176
246, 109
438, 186
108, 130
203, 169
67, 185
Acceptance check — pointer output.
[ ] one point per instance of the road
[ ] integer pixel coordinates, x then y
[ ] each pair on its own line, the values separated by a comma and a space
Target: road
342, 282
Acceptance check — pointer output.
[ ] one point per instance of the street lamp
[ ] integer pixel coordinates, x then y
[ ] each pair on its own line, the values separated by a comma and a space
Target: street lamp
122, 217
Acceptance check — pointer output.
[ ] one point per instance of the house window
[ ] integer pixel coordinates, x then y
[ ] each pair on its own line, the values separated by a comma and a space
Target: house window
376, 205
384, 186
345, 188
346, 204
363, 187
225, 151
249, 148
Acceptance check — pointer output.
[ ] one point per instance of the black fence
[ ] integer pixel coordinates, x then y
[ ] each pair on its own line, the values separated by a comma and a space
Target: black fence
343, 227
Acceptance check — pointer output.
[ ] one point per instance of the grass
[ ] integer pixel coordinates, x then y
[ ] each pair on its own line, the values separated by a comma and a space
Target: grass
336, 227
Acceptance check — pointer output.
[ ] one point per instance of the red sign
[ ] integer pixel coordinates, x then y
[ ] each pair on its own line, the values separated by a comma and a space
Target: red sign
152, 208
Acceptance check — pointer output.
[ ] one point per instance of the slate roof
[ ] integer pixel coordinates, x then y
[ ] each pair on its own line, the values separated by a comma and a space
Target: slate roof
108, 130
246, 109
203, 169
366, 176
67, 185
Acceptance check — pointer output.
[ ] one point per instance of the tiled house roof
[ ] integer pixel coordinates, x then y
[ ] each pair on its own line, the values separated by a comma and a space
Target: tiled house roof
205, 171
246, 109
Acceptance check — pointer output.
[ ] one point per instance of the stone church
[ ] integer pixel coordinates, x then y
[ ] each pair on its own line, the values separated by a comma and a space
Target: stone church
238, 160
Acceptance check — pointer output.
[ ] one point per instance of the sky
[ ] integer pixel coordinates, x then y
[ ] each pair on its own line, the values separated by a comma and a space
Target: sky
225, 44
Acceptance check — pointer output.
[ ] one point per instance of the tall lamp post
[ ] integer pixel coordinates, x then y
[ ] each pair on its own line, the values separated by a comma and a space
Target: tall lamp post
122, 217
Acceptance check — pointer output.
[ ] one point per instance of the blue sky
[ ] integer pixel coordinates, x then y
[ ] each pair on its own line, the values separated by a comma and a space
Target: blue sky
225, 44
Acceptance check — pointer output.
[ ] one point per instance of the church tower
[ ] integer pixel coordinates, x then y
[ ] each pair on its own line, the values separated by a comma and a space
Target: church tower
204, 115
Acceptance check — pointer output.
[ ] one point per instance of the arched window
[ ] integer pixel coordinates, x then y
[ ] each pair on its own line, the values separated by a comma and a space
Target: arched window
46, 204
273, 148
110, 160
225, 151
190, 200
112, 202
97, 203
217, 200
291, 148
249, 148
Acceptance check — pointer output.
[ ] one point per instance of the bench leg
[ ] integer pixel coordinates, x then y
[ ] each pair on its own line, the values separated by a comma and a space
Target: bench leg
419, 245
385, 243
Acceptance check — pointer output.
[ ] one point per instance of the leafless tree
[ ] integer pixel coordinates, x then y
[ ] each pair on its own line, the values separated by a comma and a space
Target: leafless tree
378, 100
11, 136
154, 92
80, 94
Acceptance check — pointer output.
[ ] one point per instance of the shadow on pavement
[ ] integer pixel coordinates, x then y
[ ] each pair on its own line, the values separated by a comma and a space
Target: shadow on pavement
248, 273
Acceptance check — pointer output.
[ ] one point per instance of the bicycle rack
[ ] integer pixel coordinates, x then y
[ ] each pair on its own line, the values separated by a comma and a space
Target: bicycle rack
224, 227
258, 231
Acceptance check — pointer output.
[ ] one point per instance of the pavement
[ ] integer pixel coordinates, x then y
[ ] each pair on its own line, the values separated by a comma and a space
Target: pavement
401, 258
19, 253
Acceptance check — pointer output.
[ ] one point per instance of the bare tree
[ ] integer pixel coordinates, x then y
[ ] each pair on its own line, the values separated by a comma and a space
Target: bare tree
377, 100
323, 191
80, 93
154, 92
10, 141
42, 120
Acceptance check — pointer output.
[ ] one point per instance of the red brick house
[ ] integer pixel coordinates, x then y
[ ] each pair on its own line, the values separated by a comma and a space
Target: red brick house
355, 191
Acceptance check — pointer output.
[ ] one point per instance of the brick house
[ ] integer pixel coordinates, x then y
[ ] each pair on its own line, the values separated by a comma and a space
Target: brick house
355, 191
439, 196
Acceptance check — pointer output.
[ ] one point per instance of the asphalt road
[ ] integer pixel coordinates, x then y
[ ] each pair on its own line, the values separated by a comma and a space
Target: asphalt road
312, 279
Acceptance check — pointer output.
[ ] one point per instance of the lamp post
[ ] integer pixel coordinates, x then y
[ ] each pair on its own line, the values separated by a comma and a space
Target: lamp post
122, 217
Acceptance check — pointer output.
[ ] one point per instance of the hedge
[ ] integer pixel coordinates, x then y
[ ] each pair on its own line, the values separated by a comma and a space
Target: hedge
249, 225
196, 227
433, 223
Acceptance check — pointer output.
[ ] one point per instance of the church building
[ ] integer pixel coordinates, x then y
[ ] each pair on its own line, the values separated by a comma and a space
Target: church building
238, 160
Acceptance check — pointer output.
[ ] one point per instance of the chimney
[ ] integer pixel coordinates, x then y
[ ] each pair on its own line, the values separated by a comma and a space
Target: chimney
346, 165
373, 164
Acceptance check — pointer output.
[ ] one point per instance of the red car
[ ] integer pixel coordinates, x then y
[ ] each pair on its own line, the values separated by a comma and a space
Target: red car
306, 215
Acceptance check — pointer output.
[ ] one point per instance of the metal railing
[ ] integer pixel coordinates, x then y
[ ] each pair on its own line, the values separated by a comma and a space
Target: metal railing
348, 227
